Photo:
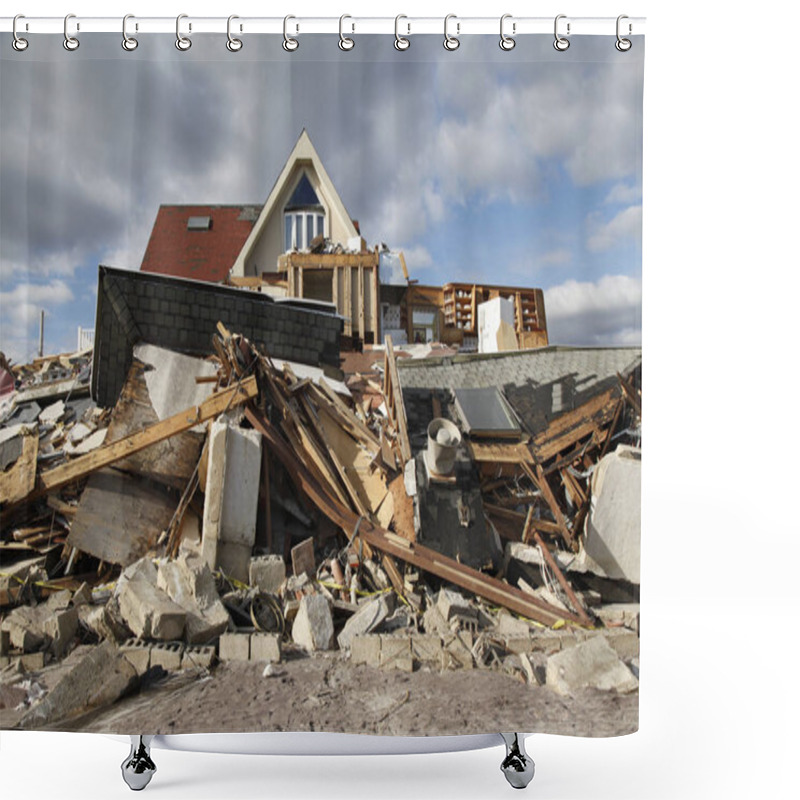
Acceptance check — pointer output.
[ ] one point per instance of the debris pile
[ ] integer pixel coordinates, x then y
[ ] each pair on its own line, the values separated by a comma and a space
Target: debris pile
240, 508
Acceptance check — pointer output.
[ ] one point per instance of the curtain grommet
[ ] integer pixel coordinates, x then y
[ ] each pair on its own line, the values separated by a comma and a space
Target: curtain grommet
451, 43
345, 43
623, 45
290, 44
507, 42
17, 42
71, 43
183, 43
561, 43
129, 43
233, 44
401, 43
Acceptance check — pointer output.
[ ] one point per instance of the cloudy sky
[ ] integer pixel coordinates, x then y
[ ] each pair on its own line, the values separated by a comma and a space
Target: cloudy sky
520, 168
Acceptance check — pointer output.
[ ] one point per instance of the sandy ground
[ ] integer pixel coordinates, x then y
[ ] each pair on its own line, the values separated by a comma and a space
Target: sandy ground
326, 693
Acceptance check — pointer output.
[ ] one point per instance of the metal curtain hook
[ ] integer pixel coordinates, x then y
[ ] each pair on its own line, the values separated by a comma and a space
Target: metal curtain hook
400, 42
289, 44
507, 42
623, 45
129, 43
70, 42
182, 42
344, 42
233, 44
561, 43
451, 42
18, 43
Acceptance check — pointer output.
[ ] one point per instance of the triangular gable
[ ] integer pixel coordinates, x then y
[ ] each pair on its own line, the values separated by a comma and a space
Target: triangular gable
302, 162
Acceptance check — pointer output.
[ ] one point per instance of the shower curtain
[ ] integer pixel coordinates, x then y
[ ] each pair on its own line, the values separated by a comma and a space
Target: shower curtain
321, 384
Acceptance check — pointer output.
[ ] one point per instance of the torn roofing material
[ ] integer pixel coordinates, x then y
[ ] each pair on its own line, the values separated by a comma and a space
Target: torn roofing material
540, 385
181, 315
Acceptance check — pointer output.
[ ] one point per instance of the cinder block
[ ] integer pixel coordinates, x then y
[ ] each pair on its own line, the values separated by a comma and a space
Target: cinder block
624, 642
267, 573
459, 649
366, 649
137, 652
517, 644
234, 647
396, 653
426, 648
166, 655
265, 647
198, 656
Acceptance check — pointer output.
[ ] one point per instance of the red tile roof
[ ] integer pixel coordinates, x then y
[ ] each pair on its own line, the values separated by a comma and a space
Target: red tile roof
202, 255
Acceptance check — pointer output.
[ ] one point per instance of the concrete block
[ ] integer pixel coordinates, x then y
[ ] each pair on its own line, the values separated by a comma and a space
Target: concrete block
366, 649
458, 648
451, 604
234, 559
214, 494
32, 662
60, 628
368, 617
147, 610
624, 642
265, 647
267, 573
517, 644
434, 622
511, 626
396, 653
137, 652
23, 626
626, 614
167, 655
613, 530
234, 647
592, 664
427, 648
198, 656
97, 675
190, 584
82, 596
313, 625
546, 641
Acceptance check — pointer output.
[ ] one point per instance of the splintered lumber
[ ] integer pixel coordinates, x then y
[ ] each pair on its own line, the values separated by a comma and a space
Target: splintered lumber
540, 482
491, 589
17, 482
337, 407
510, 453
531, 533
394, 397
183, 421
631, 395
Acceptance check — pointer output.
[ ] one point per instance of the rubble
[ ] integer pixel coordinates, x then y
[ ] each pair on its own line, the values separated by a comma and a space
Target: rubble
419, 535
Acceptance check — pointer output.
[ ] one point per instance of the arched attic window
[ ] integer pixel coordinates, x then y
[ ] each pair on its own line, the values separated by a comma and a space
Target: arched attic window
303, 216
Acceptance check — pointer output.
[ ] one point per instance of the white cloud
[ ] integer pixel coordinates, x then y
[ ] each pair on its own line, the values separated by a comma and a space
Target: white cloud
604, 312
22, 304
623, 194
625, 225
555, 258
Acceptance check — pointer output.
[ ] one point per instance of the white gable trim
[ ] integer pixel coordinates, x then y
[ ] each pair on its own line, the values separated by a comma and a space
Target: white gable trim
304, 155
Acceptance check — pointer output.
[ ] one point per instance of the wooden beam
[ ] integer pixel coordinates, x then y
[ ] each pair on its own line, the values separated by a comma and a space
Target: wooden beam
375, 306
491, 589
531, 532
397, 399
631, 395
183, 421
361, 311
403, 265
539, 480
348, 301
19, 481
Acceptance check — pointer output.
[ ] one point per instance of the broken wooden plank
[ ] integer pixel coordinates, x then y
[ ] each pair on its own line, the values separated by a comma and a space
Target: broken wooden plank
510, 453
397, 401
491, 589
539, 480
530, 532
19, 480
348, 419
111, 453
631, 395
303, 559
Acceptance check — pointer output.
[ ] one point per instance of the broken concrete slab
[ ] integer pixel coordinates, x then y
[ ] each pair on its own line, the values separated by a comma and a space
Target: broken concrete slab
626, 614
267, 573
427, 648
434, 622
49, 626
94, 676
368, 617
458, 648
592, 664
190, 584
147, 610
234, 560
313, 625
61, 628
613, 530
365, 648
624, 642
451, 604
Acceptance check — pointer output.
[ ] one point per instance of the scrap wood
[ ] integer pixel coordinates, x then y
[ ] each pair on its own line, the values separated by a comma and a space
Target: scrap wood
111, 453
631, 394
17, 482
539, 480
394, 400
347, 417
491, 589
531, 533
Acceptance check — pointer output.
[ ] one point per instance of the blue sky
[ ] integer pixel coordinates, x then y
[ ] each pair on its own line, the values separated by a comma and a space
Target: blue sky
519, 168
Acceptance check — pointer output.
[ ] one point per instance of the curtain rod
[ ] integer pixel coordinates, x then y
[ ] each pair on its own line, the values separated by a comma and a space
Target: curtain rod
350, 25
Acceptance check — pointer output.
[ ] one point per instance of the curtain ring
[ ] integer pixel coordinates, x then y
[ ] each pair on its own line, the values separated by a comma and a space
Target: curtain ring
507, 42
289, 44
623, 45
70, 42
400, 42
129, 43
561, 43
182, 42
233, 44
450, 42
345, 43
18, 43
